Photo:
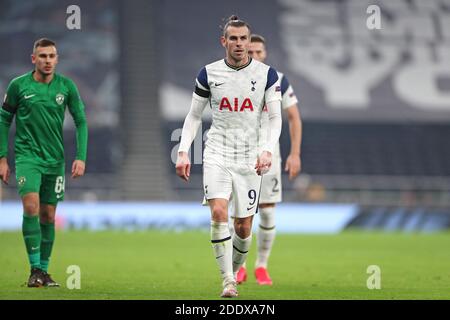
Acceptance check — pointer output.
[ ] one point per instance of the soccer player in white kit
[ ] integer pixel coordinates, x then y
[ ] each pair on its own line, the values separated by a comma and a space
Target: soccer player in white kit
271, 185
237, 88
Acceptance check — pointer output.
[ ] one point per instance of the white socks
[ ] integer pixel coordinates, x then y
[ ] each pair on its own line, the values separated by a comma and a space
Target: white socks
240, 250
223, 250
266, 235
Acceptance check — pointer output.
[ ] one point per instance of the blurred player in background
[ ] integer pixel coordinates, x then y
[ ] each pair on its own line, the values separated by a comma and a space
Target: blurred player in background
38, 100
271, 186
237, 88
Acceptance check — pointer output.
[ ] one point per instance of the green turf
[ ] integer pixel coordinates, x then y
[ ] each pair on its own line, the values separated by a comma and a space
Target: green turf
171, 265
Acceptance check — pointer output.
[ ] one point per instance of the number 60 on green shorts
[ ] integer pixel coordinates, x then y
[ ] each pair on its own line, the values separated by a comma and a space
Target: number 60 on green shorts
48, 182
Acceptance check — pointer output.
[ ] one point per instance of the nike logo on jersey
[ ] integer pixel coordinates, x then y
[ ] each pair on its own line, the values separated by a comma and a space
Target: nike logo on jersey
219, 257
34, 248
217, 84
59, 196
28, 97
250, 208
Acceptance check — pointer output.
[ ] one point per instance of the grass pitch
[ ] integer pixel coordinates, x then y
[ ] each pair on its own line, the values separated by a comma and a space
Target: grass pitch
181, 265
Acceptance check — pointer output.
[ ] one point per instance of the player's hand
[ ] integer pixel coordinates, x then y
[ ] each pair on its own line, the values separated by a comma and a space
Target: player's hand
183, 166
263, 163
78, 168
4, 170
293, 165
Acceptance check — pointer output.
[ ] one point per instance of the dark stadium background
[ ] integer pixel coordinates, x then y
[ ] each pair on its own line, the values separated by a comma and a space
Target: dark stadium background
375, 106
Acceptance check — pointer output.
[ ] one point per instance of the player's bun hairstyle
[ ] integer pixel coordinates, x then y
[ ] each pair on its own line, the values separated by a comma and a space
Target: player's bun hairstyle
257, 38
43, 42
233, 21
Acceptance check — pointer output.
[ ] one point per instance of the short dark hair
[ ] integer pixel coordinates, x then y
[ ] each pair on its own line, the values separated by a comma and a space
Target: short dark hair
234, 21
43, 42
257, 38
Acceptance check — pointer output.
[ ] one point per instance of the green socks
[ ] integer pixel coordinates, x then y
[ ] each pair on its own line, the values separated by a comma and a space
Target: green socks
31, 231
48, 237
39, 238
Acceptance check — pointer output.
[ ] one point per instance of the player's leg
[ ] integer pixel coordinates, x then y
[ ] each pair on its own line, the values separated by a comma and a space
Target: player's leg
221, 242
28, 182
242, 240
246, 185
217, 186
270, 195
52, 191
266, 237
47, 219
241, 275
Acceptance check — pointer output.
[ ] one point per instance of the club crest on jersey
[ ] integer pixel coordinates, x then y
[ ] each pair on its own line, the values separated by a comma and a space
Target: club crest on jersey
253, 85
59, 98
246, 104
21, 181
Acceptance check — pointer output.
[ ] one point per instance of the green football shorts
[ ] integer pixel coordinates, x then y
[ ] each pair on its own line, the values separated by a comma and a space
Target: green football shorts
48, 182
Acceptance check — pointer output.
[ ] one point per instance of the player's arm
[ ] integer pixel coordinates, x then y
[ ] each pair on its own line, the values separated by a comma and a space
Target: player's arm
76, 109
7, 112
200, 99
273, 102
293, 161
289, 104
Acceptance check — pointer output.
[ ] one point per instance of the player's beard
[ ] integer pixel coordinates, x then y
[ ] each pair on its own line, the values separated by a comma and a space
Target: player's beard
46, 71
238, 57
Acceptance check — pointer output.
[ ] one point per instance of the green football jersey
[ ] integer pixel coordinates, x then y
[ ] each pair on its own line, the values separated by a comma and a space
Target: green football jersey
39, 109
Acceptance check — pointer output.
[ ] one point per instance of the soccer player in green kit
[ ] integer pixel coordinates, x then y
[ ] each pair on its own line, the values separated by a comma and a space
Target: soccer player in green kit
38, 100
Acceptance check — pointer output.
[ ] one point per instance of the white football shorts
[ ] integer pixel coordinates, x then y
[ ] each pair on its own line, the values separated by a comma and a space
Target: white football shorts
239, 184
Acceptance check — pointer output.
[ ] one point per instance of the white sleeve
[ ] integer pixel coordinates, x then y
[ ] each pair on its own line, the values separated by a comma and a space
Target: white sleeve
289, 98
273, 87
192, 122
274, 127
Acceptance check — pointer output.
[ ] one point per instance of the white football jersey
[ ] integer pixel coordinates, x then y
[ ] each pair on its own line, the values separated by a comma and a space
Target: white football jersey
288, 100
237, 97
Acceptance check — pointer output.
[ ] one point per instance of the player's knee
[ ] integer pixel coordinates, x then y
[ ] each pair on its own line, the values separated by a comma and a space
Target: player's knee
219, 213
31, 208
243, 232
243, 228
47, 213
267, 216
266, 213
47, 217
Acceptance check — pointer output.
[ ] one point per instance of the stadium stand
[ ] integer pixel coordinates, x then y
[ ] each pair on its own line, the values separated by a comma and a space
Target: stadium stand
96, 73
374, 132
372, 135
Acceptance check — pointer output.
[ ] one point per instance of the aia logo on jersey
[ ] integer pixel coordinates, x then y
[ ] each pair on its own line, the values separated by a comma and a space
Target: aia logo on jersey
246, 104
